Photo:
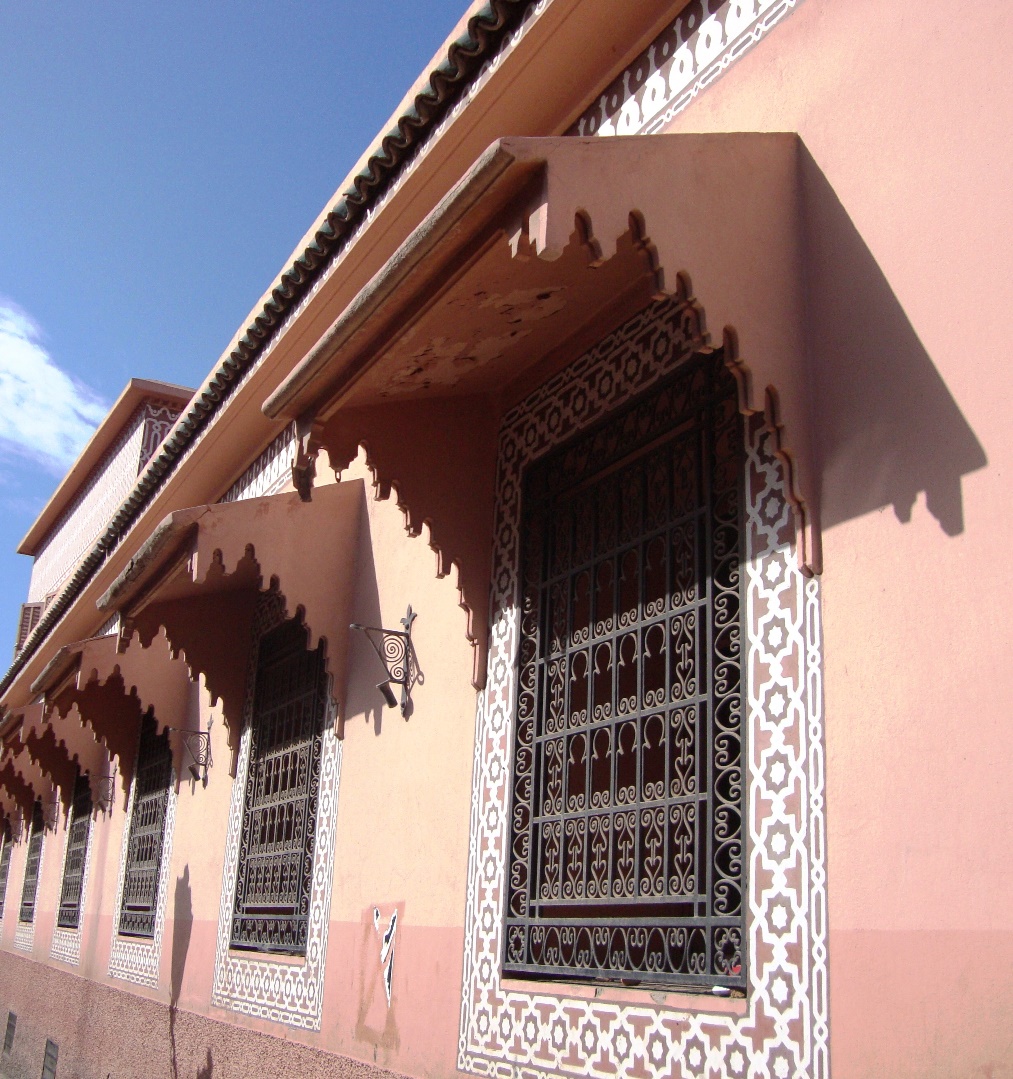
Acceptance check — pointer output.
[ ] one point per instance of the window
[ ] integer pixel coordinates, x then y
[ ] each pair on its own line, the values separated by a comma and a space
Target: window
271, 912
69, 915
49, 1059
31, 885
626, 862
5, 863
27, 621
147, 832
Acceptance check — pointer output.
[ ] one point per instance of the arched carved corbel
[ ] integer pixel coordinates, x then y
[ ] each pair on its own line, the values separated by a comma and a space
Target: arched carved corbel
307, 446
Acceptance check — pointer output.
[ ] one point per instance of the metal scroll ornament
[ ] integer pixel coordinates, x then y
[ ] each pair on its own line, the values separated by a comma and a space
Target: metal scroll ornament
397, 654
198, 746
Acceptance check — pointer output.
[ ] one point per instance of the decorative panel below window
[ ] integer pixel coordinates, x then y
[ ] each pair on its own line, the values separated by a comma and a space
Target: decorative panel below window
5, 864
69, 915
275, 868
31, 884
626, 860
147, 832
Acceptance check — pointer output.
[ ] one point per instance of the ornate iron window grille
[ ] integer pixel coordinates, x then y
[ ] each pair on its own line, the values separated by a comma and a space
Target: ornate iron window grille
69, 914
147, 832
31, 883
274, 875
627, 847
6, 843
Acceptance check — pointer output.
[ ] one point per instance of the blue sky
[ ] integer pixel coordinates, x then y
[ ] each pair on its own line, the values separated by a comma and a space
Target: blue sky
158, 163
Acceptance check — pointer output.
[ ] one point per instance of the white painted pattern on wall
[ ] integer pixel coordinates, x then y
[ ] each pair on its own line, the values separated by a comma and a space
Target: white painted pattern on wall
697, 49
104, 491
269, 473
506, 1031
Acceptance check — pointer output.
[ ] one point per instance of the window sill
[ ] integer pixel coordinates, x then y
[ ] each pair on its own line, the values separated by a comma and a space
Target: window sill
253, 956
682, 1000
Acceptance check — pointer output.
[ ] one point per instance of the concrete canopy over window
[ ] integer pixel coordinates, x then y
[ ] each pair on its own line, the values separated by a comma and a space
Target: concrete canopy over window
544, 246
195, 583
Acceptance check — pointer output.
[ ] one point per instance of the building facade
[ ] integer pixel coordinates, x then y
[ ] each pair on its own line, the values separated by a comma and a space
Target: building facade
544, 645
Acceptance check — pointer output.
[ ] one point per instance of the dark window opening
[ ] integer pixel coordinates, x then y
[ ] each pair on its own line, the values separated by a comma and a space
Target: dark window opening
271, 912
147, 832
31, 884
49, 1060
12, 1022
626, 862
69, 915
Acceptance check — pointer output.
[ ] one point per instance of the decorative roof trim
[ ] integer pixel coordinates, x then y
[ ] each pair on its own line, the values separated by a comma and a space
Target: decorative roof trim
486, 31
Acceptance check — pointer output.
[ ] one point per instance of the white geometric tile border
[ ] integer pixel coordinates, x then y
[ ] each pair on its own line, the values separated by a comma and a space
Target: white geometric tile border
507, 1032
693, 52
66, 944
132, 959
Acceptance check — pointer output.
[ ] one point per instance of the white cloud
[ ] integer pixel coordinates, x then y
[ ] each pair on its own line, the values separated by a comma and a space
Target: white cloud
45, 414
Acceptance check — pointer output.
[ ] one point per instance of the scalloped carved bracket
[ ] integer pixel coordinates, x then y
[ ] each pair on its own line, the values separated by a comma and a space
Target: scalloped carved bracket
304, 466
438, 459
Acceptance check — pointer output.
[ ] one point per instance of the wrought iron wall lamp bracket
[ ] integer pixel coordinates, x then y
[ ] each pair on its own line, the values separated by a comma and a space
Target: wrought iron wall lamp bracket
51, 812
396, 652
198, 745
104, 791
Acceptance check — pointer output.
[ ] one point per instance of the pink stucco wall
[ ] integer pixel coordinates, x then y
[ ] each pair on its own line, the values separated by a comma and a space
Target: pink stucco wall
905, 111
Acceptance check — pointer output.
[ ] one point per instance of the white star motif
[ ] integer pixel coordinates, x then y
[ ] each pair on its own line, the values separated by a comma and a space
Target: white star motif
777, 703
779, 917
736, 1060
777, 773
779, 990
781, 1068
778, 844
773, 571
695, 1056
775, 636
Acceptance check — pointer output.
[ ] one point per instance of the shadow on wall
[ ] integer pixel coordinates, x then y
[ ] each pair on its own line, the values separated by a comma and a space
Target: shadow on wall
886, 426
208, 1070
362, 698
182, 926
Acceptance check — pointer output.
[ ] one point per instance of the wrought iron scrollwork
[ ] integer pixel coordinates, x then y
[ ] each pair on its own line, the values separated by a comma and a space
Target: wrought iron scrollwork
6, 842
104, 791
30, 886
147, 832
198, 746
626, 861
69, 913
397, 654
274, 876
